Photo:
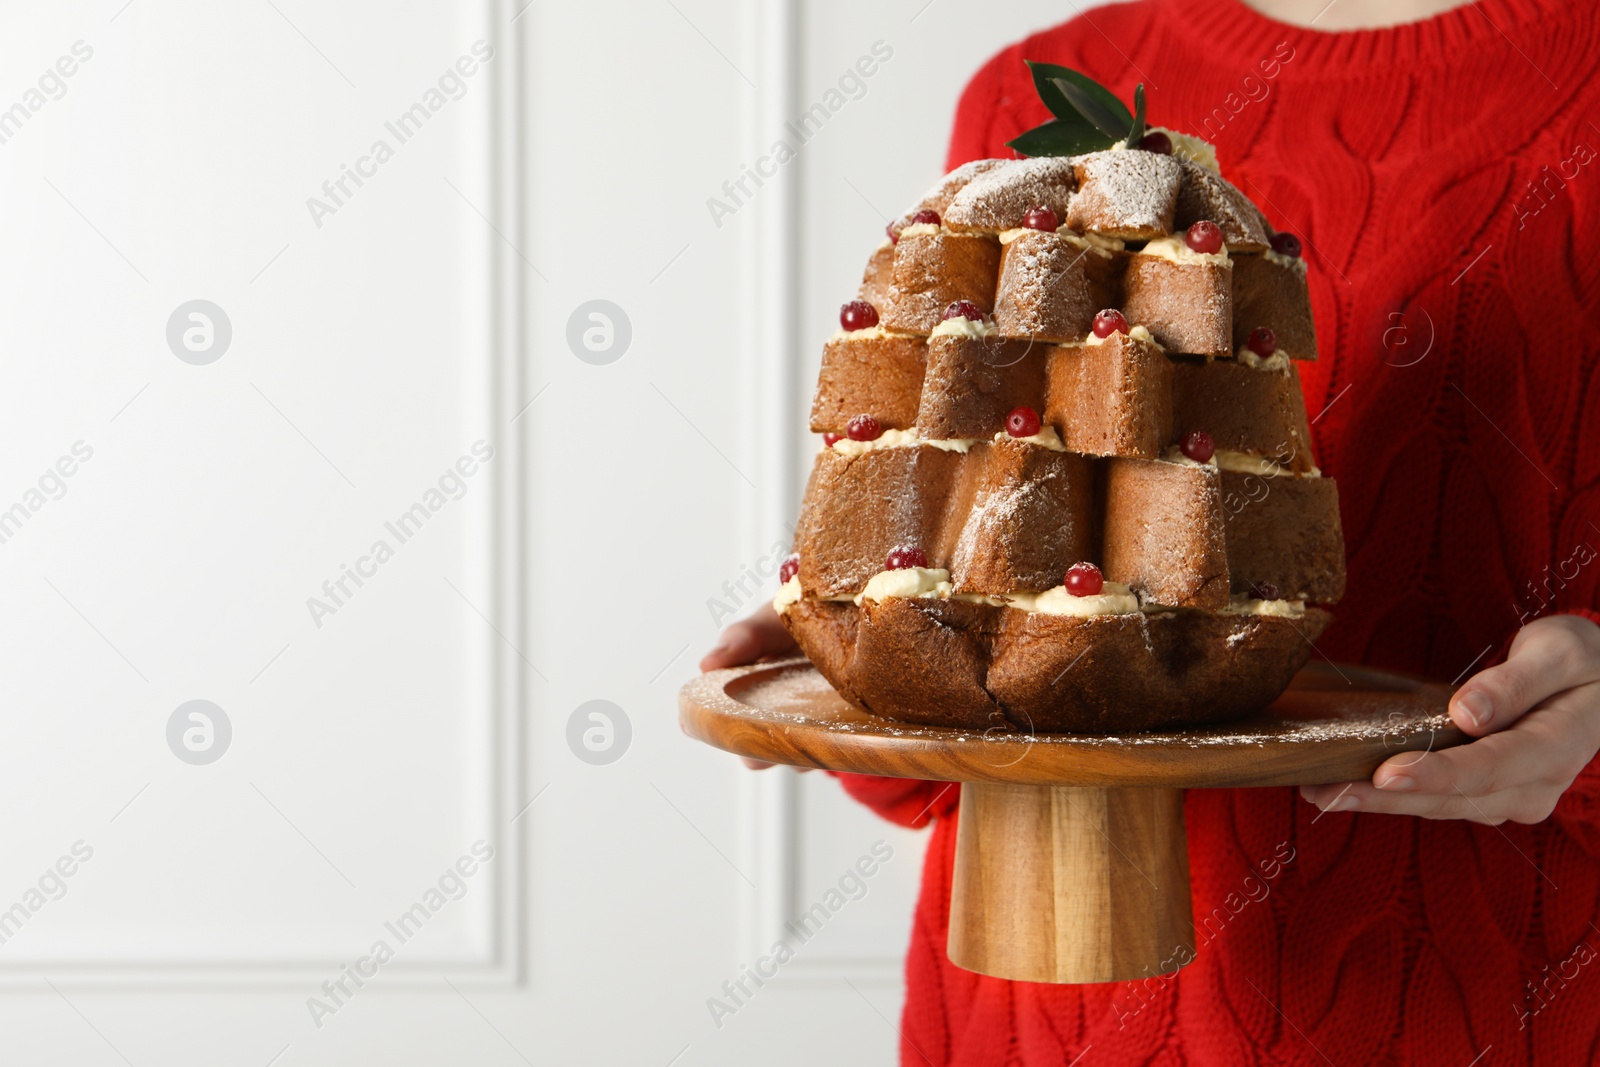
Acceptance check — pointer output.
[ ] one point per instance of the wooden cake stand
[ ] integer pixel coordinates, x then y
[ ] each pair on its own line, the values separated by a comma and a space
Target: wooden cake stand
1071, 860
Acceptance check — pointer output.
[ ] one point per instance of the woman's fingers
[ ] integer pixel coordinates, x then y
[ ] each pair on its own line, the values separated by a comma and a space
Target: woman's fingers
1499, 761
1518, 774
747, 640
1549, 655
1516, 805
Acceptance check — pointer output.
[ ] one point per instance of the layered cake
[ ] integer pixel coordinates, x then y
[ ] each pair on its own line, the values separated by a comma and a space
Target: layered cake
1066, 480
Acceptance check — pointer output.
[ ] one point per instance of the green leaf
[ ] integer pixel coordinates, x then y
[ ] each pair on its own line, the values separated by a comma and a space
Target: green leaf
1043, 83
1106, 119
1063, 137
1136, 134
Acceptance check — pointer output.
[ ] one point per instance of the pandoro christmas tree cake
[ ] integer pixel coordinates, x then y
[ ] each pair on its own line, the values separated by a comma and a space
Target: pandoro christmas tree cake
1066, 481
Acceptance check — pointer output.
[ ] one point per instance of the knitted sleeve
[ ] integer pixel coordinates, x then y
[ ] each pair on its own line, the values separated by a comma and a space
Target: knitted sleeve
903, 801
1578, 810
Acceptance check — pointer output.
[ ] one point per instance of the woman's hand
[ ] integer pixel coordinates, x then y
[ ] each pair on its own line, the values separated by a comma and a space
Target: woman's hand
746, 641
1536, 718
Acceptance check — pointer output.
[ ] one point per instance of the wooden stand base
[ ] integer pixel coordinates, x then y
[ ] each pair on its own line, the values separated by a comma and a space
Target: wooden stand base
1070, 883
1071, 863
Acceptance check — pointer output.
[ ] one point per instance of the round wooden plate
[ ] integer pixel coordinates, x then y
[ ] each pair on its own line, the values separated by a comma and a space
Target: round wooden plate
1334, 724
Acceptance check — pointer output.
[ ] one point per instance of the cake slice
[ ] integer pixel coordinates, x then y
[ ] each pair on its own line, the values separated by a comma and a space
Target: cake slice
1052, 284
1111, 398
1246, 408
1130, 195
1184, 298
1000, 197
1269, 290
1203, 195
1024, 514
1163, 533
1284, 533
878, 276
858, 507
932, 270
871, 372
974, 378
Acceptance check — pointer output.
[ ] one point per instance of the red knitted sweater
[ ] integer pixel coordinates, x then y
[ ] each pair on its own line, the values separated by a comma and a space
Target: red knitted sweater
1443, 178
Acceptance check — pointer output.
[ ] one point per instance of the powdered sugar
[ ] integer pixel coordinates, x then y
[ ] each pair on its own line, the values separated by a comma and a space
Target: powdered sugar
796, 694
1126, 191
1000, 197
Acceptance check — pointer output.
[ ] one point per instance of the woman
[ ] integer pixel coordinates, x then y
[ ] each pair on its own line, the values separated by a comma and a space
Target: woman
1440, 174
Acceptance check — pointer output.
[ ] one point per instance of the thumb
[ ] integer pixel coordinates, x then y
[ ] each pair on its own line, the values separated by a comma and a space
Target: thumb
1548, 656
737, 646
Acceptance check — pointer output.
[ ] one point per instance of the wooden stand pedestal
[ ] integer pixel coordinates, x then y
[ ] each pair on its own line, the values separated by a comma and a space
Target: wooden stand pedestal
1071, 861
1070, 883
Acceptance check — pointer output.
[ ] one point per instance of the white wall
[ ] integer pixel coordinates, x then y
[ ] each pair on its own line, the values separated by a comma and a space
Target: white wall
368, 353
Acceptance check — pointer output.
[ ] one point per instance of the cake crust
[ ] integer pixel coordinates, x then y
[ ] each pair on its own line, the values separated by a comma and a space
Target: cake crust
980, 667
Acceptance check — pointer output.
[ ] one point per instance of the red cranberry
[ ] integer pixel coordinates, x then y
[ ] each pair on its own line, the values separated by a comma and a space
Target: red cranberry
1158, 142
1041, 218
1022, 422
1198, 446
925, 218
790, 568
1265, 591
893, 230
964, 309
1084, 579
1263, 342
831, 439
1110, 321
863, 428
1286, 244
1204, 237
858, 315
904, 556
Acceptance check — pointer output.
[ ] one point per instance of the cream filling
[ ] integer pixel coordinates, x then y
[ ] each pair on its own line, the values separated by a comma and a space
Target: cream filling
921, 229
1286, 262
964, 327
1240, 604
871, 333
926, 582
1278, 361
1246, 463
1187, 146
1113, 599
933, 583
902, 439
1138, 333
1184, 146
1175, 250
1045, 438
1174, 454
1242, 462
1099, 243
788, 594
